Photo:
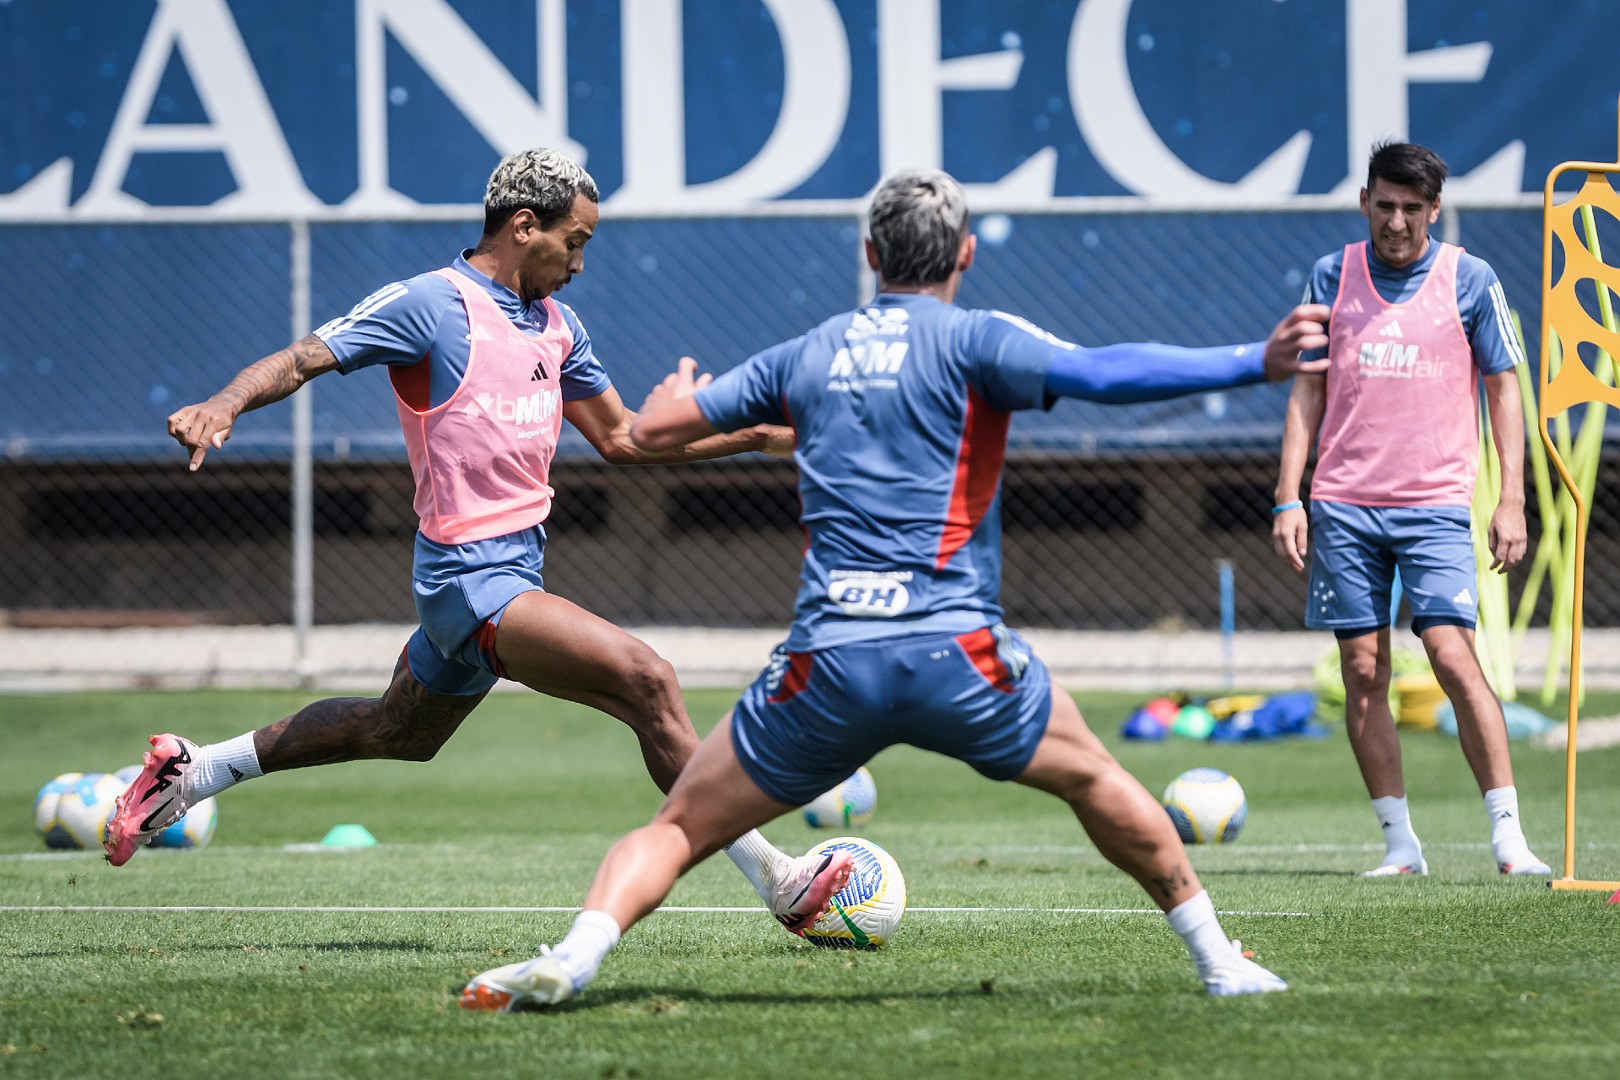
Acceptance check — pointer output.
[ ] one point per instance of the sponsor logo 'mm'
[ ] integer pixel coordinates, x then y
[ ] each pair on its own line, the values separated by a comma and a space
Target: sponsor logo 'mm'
1388, 358
534, 408
868, 358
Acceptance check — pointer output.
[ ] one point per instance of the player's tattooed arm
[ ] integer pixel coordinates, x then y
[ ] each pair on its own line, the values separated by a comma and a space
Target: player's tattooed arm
206, 425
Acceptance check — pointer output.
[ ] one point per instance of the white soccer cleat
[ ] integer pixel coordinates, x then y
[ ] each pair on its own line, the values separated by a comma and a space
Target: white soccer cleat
1524, 865
805, 888
532, 984
1239, 975
1398, 869
156, 798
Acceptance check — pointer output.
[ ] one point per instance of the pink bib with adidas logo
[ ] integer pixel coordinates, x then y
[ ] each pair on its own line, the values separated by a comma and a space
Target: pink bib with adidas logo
482, 459
1400, 425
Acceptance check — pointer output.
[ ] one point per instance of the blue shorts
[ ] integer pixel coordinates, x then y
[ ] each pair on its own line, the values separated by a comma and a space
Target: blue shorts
461, 591
810, 719
1356, 549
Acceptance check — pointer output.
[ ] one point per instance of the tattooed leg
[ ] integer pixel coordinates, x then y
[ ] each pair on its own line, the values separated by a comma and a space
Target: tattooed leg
1127, 824
408, 722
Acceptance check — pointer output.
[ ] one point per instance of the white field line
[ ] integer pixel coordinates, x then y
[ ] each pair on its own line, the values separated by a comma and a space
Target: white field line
674, 910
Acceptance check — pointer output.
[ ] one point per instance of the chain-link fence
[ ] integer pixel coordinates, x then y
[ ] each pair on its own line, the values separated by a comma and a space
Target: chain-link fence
1114, 517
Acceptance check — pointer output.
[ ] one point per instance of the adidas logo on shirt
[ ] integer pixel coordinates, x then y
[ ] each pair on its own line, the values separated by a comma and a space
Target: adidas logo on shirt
539, 373
1463, 598
1392, 330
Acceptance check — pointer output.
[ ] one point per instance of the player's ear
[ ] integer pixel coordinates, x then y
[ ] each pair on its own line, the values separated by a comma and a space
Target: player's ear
871, 254
964, 254
1434, 211
1364, 204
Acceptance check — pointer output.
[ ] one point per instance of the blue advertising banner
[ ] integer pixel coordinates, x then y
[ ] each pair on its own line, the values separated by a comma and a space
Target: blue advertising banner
379, 107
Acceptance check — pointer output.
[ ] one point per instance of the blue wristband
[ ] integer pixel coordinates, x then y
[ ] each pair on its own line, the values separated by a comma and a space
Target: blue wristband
1295, 505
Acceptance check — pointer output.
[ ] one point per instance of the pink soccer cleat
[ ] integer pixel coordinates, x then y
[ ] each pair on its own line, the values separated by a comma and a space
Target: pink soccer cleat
804, 893
159, 795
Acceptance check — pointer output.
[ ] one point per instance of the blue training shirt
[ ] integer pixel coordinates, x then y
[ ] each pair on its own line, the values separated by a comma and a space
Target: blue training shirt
901, 411
1481, 302
423, 320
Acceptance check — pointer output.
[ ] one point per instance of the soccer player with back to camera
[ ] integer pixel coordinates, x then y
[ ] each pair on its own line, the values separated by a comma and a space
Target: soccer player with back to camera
1414, 324
901, 410
485, 327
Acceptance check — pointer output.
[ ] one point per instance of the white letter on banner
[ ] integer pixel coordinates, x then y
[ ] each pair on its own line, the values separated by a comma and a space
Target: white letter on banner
911, 77
43, 196
815, 103
1119, 133
242, 126
461, 65
1380, 69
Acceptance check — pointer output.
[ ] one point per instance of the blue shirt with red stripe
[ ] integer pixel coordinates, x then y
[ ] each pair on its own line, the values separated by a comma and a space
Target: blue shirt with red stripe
901, 411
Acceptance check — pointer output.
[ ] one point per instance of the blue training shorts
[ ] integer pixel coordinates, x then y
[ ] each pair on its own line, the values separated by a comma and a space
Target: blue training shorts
461, 591
810, 719
1356, 549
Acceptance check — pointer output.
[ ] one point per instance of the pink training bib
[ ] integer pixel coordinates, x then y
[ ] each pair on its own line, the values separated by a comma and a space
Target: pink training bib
482, 459
1401, 422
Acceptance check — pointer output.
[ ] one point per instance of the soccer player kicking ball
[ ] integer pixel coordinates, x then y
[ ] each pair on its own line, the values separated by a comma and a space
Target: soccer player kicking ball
1414, 325
483, 329
901, 411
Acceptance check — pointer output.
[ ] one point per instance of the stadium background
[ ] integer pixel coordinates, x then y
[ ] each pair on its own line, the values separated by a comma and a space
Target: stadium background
193, 183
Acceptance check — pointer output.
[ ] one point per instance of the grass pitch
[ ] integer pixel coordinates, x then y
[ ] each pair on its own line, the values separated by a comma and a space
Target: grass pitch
326, 964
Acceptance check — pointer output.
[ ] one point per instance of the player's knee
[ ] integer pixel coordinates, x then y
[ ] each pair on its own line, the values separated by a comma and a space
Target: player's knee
647, 677
1365, 675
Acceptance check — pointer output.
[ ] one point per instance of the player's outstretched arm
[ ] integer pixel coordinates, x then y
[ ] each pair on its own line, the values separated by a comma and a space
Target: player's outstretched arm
612, 429
206, 425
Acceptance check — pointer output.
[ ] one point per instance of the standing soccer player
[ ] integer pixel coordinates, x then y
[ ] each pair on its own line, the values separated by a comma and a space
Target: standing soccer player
901, 411
1414, 325
485, 367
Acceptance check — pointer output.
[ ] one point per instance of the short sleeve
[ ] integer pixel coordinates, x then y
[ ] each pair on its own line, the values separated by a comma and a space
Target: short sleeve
752, 392
1486, 317
1322, 287
395, 325
582, 373
1011, 358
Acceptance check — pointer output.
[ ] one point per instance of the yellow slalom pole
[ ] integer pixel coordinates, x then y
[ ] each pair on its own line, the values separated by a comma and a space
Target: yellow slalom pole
1562, 315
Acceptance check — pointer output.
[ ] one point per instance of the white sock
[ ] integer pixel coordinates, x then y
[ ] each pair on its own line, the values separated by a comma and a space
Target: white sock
1507, 834
223, 765
1401, 846
589, 940
1198, 926
755, 856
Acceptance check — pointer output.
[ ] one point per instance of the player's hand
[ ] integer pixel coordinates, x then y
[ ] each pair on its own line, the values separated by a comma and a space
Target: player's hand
1288, 536
1507, 537
678, 384
202, 427
1303, 329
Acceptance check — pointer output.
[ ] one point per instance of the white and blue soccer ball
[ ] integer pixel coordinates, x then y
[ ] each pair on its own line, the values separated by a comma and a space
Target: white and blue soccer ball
866, 912
71, 810
1207, 805
848, 804
193, 829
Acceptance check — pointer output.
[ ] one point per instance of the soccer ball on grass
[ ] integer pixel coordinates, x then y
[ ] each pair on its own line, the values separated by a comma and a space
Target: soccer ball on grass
71, 810
866, 912
1207, 805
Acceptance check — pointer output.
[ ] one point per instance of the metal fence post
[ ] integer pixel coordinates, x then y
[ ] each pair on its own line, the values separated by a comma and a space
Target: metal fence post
303, 486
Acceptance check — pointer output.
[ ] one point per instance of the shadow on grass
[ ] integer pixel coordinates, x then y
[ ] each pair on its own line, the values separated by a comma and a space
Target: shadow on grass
663, 999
